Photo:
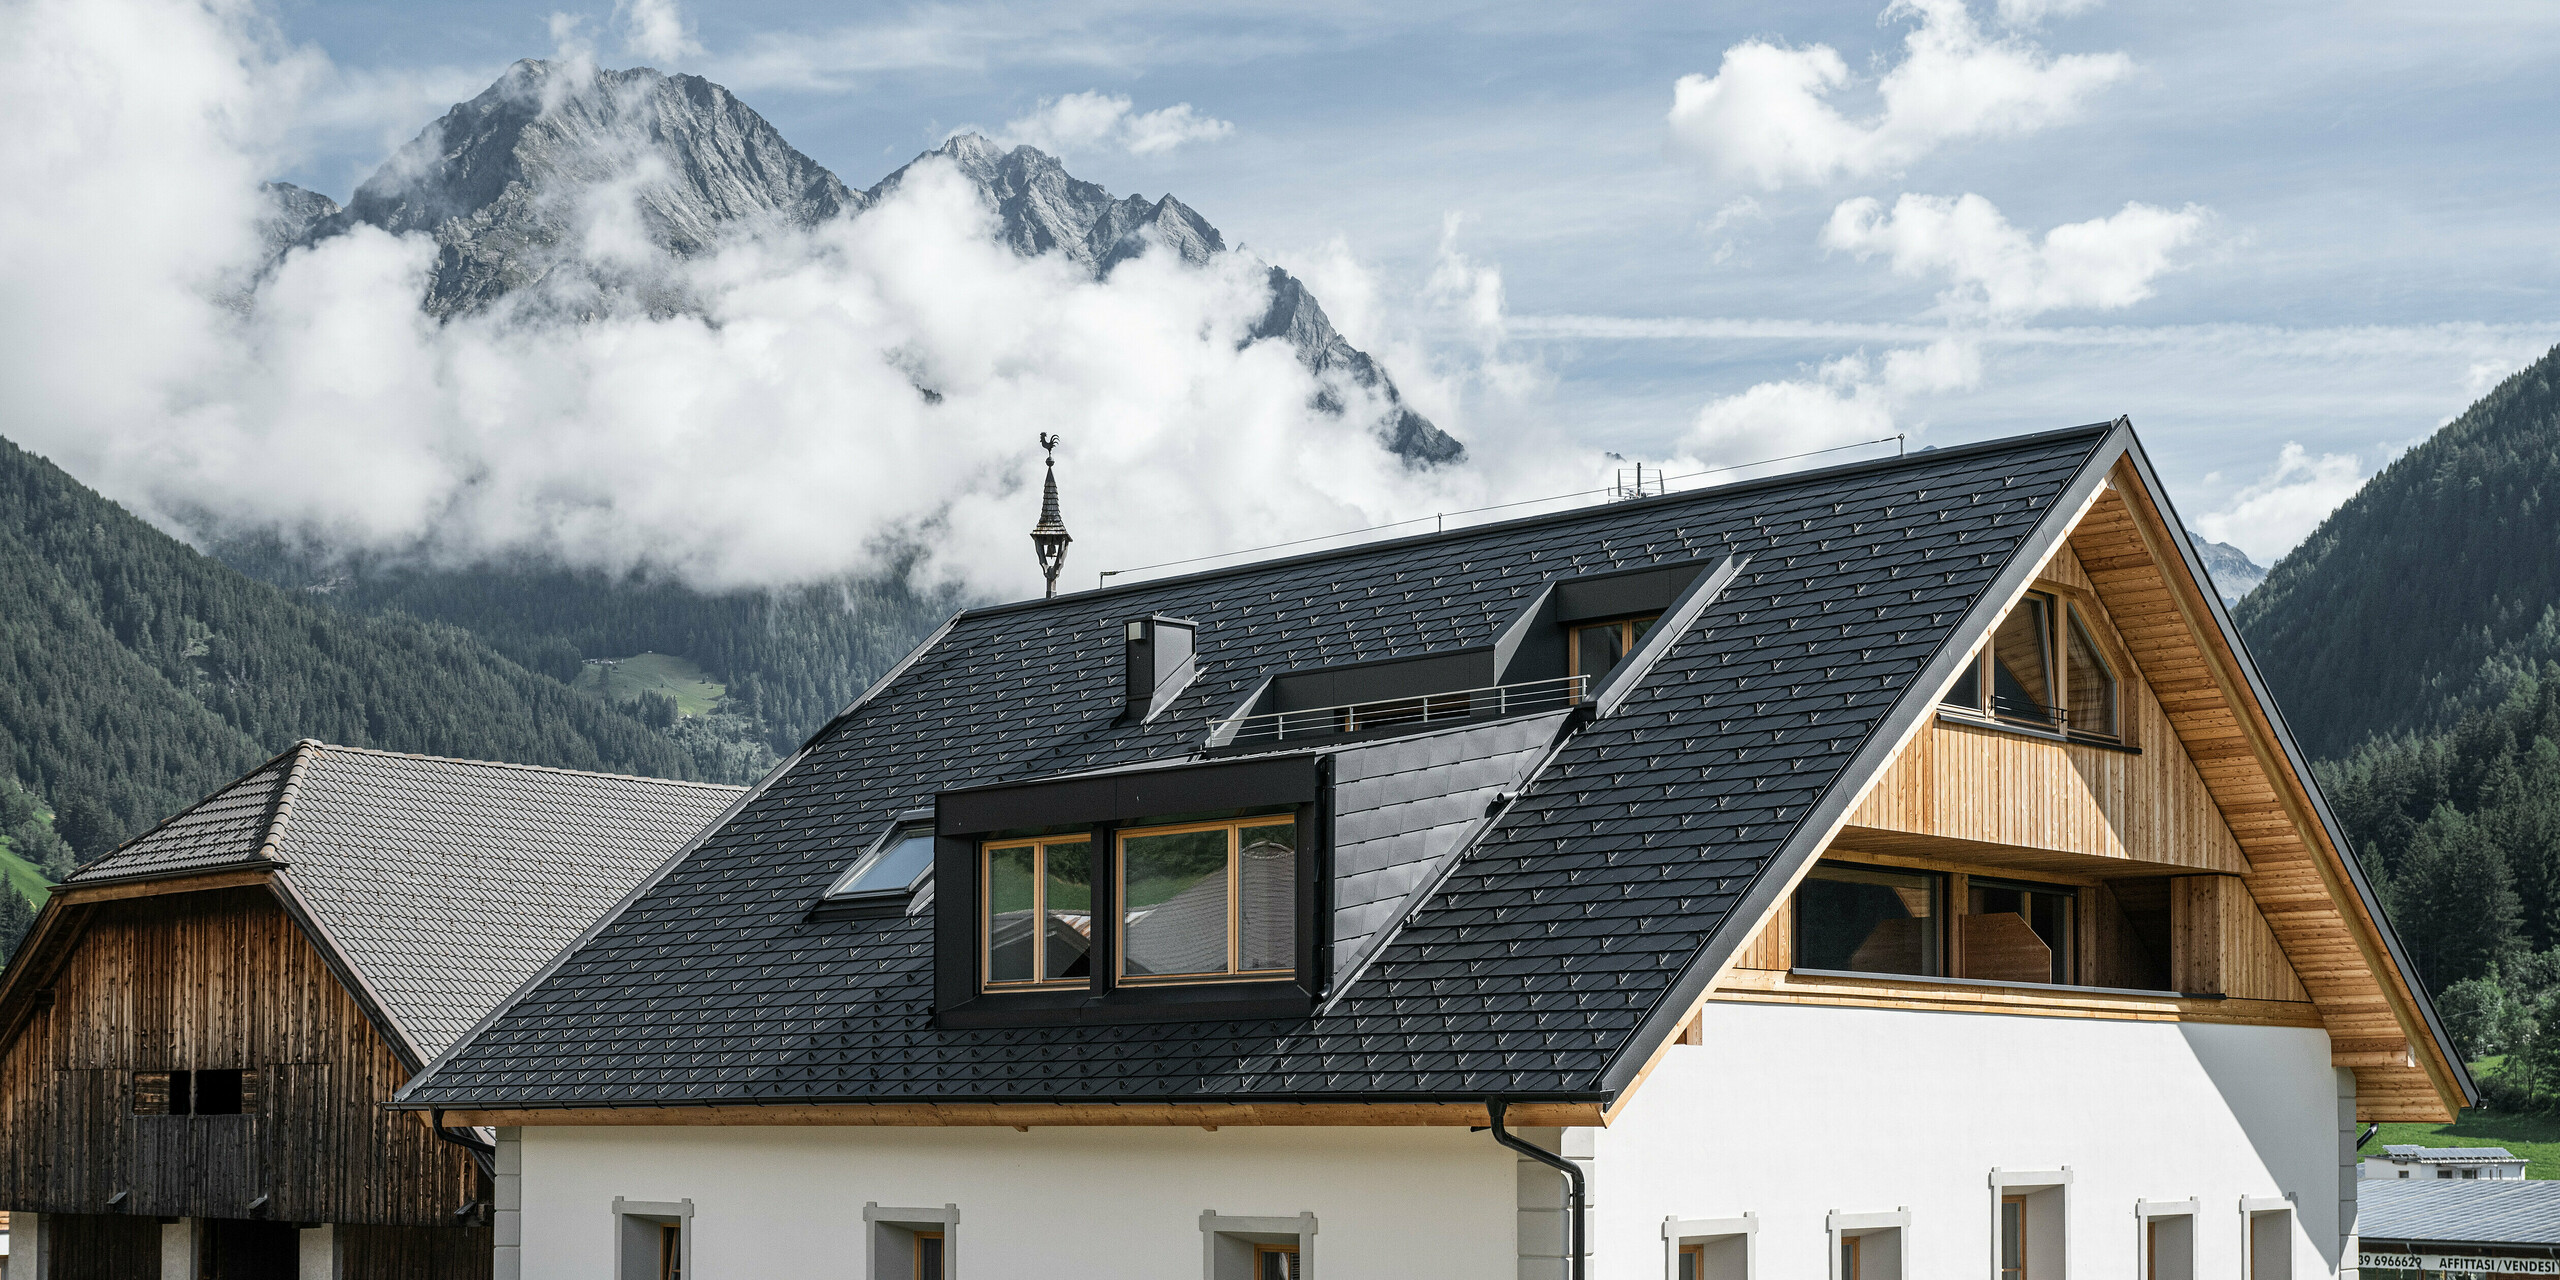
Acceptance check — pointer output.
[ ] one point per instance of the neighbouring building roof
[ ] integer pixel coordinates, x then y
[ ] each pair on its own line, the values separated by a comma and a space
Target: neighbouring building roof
1568, 937
2408, 1151
2479, 1211
443, 884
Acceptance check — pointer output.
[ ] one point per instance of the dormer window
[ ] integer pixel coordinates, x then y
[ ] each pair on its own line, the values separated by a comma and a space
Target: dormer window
1039, 912
2042, 669
884, 880
1209, 901
1596, 648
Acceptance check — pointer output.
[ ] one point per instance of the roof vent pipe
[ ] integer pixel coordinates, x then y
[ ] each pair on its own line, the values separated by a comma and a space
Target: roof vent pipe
1156, 665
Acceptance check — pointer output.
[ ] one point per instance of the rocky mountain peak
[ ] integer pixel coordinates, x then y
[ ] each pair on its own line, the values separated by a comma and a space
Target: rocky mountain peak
565, 189
499, 181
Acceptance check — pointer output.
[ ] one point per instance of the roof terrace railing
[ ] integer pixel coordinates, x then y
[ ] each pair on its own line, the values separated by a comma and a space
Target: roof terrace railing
1428, 709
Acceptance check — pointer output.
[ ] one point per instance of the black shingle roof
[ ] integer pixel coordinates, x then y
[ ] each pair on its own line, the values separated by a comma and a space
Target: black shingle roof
444, 884
1552, 949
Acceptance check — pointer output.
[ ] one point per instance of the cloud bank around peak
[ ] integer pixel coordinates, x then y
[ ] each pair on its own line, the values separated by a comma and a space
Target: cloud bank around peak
1767, 117
828, 401
1092, 121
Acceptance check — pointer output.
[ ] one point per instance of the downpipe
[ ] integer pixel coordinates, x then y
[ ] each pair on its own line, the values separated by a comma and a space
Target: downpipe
1573, 1248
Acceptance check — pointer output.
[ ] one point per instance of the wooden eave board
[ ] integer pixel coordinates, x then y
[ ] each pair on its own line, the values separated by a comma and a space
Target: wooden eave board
2295, 873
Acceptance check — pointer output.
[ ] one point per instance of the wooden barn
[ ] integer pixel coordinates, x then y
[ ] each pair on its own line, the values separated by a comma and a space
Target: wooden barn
197, 1037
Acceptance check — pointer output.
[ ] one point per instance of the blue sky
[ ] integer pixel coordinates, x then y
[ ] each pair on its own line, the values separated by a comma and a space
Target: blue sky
2346, 228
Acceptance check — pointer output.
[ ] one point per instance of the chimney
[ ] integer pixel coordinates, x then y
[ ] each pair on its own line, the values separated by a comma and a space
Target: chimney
1156, 664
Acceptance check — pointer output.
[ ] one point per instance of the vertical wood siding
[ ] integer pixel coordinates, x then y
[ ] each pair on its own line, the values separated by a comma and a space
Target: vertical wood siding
1959, 782
216, 980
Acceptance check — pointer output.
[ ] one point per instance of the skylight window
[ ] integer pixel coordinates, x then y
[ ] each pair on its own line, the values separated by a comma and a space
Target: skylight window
890, 871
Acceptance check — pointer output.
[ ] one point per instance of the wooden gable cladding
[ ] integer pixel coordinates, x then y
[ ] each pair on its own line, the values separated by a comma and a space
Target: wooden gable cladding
217, 980
2294, 875
2022, 798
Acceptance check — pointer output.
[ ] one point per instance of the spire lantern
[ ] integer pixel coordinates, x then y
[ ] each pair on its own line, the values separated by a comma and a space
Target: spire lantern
1049, 538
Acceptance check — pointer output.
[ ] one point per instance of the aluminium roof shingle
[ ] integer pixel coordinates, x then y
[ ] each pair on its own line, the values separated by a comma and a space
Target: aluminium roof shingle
1527, 972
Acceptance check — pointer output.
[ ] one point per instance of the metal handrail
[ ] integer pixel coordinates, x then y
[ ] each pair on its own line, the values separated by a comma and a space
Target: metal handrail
1421, 709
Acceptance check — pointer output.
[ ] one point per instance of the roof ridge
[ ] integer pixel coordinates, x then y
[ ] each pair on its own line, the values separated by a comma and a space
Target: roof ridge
1810, 475
534, 768
280, 811
208, 798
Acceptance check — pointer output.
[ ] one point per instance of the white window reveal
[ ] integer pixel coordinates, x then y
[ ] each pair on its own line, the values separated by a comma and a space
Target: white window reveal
911, 1244
2270, 1238
652, 1239
2029, 1208
1711, 1248
2168, 1239
1257, 1248
1868, 1246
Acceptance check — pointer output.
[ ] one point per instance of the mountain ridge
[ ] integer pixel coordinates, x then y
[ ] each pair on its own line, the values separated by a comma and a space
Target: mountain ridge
500, 183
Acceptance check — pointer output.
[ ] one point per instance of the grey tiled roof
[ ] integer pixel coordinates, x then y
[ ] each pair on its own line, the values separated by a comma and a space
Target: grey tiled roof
228, 828
1559, 934
2458, 1211
443, 883
2413, 1151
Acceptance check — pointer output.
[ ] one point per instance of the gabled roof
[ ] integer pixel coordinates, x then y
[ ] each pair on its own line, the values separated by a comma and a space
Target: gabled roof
2460, 1211
437, 886
1571, 928
1567, 940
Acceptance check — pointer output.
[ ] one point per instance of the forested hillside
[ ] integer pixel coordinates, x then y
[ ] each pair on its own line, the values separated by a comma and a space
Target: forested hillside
2429, 592
790, 658
2413, 642
137, 674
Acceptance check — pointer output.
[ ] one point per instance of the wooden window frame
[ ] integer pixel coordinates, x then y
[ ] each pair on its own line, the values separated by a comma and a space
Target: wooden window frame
1039, 846
944, 1268
1850, 1263
1952, 897
670, 1250
1234, 827
1626, 642
1694, 1270
2018, 1272
2065, 608
1260, 1251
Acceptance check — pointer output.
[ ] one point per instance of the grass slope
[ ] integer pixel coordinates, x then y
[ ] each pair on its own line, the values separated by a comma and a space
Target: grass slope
21, 875
625, 679
2536, 1138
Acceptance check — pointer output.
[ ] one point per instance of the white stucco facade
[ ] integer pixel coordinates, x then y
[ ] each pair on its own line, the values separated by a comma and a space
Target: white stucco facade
1788, 1114
1050, 1203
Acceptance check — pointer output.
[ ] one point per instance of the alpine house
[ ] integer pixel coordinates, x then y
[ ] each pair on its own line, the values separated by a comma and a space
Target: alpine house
1894, 870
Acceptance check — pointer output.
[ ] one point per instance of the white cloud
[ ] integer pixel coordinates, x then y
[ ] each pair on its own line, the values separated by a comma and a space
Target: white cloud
1997, 271
1847, 400
1094, 120
2027, 13
1767, 117
655, 30
781, 435
2267, 517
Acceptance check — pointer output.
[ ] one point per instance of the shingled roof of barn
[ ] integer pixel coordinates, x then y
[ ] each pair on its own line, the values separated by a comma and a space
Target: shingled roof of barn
443, 884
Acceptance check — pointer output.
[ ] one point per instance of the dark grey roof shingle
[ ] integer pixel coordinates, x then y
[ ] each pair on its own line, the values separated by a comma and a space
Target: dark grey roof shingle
2459, 1210
1527, 972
